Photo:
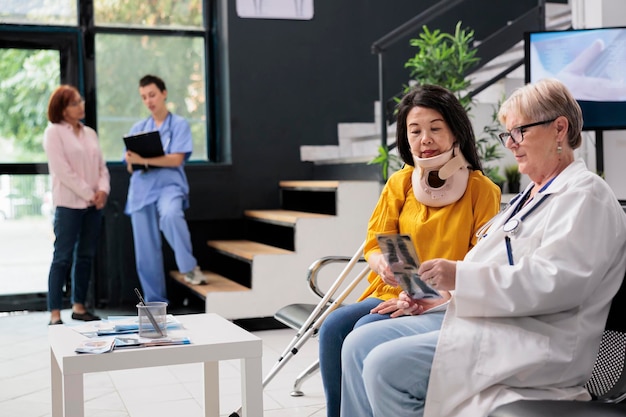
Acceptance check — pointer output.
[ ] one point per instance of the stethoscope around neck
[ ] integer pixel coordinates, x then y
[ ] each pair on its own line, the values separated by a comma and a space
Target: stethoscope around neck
513, 224
168, 129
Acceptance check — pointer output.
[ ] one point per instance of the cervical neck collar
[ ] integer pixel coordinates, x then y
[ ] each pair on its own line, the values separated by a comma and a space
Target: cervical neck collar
440, 180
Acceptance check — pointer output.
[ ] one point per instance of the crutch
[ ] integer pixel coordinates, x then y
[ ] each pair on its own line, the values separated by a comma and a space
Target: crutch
316, 318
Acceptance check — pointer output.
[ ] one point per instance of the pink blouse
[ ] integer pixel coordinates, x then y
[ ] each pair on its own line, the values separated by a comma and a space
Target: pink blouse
76, 165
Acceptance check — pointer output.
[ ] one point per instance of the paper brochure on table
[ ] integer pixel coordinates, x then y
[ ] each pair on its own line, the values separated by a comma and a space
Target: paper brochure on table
98, 345
399, 251
133, 341
117, 325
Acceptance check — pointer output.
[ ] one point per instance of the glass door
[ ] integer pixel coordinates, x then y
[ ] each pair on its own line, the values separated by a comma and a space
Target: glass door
29, 75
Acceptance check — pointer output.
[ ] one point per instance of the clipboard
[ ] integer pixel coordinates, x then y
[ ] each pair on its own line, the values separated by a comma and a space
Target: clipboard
146, 144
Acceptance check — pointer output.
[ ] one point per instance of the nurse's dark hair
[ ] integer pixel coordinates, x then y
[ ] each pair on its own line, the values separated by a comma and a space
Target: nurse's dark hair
454, 115
544, 100
152, 79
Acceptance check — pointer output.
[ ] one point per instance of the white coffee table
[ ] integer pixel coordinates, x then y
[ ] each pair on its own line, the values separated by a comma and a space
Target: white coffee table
213, 339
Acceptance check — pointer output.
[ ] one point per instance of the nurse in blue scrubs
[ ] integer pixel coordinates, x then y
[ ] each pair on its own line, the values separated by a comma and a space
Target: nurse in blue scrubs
159, 193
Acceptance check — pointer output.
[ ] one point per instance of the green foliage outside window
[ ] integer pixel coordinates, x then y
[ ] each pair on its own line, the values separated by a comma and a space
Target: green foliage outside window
123, 60
159, 13
27, 78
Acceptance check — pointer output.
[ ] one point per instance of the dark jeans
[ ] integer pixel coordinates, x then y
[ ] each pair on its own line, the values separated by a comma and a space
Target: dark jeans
76, 232
333, 332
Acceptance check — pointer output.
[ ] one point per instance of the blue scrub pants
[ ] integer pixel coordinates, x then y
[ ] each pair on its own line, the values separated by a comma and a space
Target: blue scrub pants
165, 215
332, 333
76, 234
386, 366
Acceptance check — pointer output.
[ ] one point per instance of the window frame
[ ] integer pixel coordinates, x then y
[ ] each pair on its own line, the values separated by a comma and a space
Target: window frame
76, 45
66, 40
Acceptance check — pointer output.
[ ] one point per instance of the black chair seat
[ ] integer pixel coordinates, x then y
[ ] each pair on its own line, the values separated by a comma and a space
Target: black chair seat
559, 409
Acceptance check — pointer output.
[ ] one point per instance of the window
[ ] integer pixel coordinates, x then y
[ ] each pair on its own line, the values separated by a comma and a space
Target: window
27, 235
166, 14
57, 12
123, 59
28, 78
164, 38
42, 46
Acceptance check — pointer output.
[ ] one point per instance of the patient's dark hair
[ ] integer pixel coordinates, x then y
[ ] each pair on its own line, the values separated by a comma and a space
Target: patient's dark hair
454, 114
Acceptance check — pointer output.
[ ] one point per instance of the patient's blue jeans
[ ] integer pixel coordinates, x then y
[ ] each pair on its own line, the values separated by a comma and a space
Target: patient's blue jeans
76, 238
331, 336
386, 366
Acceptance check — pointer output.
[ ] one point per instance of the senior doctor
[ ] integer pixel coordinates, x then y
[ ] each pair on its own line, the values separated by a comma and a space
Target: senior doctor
531, 298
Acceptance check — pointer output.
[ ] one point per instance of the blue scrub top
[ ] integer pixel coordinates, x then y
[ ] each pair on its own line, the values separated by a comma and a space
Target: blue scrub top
146, 186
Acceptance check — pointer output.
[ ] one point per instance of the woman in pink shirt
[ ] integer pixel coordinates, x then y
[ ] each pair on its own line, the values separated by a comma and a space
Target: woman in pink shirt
80, 187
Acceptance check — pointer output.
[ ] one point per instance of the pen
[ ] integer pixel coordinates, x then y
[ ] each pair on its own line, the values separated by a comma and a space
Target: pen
149, 314
509, 250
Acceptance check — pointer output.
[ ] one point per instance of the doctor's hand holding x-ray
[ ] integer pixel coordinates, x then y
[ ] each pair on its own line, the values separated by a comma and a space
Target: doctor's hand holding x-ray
582, 87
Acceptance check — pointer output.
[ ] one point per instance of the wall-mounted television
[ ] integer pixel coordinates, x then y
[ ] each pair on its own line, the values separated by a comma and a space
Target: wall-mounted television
591, 63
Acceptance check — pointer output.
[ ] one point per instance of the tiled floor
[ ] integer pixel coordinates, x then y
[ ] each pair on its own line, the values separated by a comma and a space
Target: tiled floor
163, 391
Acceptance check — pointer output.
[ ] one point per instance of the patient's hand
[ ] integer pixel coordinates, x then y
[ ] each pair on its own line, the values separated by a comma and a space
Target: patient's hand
386, 307
407, 306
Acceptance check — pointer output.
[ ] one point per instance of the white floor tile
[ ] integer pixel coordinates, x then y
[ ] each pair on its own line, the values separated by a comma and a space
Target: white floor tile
148, 392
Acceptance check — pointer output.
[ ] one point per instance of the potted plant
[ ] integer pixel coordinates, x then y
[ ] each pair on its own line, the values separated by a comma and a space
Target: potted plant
513, 177
442, 59
489, 149
388, 161
493, 173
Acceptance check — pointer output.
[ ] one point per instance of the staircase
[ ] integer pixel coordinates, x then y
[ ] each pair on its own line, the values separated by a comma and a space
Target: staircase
359, 142
254, 278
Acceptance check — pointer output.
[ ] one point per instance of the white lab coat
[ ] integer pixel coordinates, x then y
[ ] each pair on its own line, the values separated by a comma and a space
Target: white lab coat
532, 330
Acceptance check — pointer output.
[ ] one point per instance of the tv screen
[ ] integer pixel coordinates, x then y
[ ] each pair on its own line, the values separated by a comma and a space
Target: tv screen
591, 63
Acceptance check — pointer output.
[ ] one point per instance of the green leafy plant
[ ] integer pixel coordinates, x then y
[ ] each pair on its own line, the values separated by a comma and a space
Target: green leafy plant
489, 148
441, 59
512, 173
388, 161
493, 172
513, 177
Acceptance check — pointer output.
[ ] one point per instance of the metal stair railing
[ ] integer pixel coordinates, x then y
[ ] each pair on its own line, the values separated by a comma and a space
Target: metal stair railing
494, 45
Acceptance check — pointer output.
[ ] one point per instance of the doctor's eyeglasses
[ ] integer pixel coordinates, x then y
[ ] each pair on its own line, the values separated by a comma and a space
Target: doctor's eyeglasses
517, 133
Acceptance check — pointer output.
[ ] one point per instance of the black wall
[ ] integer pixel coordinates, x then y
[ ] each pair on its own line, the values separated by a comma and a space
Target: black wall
291, 83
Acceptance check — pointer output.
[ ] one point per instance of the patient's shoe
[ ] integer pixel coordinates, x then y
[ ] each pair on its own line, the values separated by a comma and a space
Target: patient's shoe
195, 277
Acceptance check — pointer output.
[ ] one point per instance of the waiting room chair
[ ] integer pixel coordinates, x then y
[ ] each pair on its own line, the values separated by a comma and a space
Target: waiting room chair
607, 384
295, 316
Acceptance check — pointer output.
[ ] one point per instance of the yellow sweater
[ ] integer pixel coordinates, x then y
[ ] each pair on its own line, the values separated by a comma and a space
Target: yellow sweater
444, 232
